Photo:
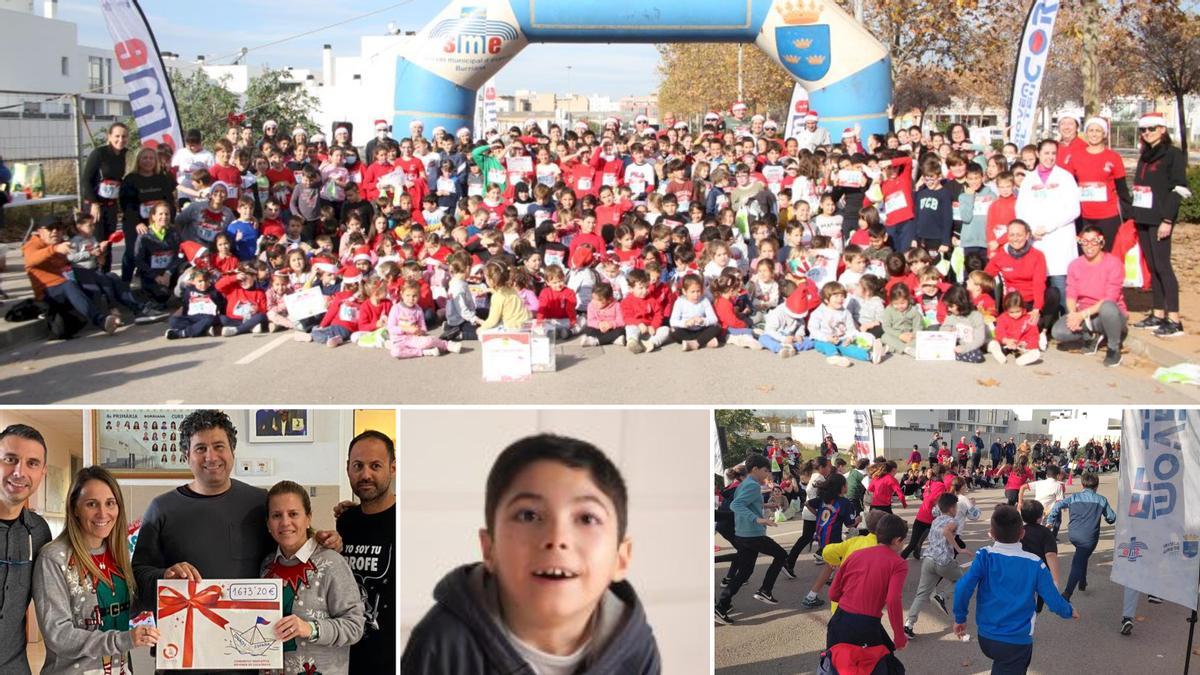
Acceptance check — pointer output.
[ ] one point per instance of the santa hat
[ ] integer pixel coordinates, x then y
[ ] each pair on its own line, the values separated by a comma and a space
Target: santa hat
581, 258
1098, 121
219, 184
648, 133
738, 106
359, 257
381, 125
803, 300
351, 275
281, 274
812, 116
299, 131
681, 125
270, 123
195, 253
849, 132
324, 267
340, 128
439, 129
712, 116
581, 124
463, 130
610, 120
758, 118
318, 138
1071, 113
770, 124
1152, 119
641, 118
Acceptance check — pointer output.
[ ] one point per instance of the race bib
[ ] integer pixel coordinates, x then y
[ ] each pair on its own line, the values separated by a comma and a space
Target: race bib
243, 310
547, 179
965, 333
446, 185
1093, 192
202, 305
146, 208
347, 313
982, 204
209, 230
161, 261
609, 179
232, 192
1143, 197
584, 184
497, 176
475, 190
894, 202
108, 189
638, 186
553, 258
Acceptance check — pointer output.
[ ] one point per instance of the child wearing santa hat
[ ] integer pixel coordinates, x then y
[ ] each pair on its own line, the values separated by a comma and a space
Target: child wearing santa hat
341, 319
245, 304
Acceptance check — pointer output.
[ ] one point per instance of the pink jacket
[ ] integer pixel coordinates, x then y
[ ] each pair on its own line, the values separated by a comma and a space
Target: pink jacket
401, 315
611, 315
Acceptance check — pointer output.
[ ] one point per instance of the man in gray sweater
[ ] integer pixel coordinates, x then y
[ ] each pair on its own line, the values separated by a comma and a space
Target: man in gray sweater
22, 465
214, 527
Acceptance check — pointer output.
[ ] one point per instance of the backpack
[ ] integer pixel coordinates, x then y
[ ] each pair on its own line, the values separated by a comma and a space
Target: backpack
25, 310
848, 659
63, 322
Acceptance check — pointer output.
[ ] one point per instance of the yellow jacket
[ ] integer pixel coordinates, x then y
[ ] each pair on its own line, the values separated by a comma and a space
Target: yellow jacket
835, 554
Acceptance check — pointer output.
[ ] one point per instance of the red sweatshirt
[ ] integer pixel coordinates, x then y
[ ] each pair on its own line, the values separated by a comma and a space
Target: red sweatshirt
1026, 275
933, 490
369, 315
898, 193
554, 304
231, 176
645, 310
1024, 330
612, 214
1002, 212
343, 311
241, 303
868, 581
371, 176
909, 279
1015, 479
882, 488
726, 314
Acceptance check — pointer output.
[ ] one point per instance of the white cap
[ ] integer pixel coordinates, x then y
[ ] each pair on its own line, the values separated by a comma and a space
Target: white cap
270, 123
738, 106
758, 118
219, 184
416, 123
1153, 119
299, 131
1098, 121
318, 138
712, 116
1073, 113
770, 124
441, 129
463, 130
341, 130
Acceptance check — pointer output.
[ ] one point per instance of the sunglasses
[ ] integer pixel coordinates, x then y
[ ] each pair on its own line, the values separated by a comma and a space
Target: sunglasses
1091, 242
1147, 130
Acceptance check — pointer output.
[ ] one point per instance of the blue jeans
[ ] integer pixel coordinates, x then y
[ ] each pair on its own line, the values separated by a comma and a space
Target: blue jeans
775, 345
902, 235
322, 335
70, 293
193, 325
116, 290
850, 351
1059, 281
246, 325
1079, 563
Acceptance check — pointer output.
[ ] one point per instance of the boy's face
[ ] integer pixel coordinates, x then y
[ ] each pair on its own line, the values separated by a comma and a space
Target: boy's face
554, 549
1005, 188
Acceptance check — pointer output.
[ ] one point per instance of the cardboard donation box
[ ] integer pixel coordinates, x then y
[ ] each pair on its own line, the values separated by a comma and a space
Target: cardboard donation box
506, 355
219, 624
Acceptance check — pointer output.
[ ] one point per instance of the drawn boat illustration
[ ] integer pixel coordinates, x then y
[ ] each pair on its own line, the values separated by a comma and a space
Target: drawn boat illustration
251, 641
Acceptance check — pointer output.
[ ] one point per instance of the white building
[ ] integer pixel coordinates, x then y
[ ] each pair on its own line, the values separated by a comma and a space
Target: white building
46, 61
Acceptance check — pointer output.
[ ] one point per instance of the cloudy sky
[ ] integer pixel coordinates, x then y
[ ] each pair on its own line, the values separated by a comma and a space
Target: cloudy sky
221, 28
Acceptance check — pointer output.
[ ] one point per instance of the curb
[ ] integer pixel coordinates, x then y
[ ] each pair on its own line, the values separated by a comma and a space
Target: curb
24, 333
1154, 351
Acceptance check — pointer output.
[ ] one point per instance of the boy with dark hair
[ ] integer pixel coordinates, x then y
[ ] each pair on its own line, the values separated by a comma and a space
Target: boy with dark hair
550, 594
1039, 540
938, 561
868, 581
1008, 579
750, 528
1086, 507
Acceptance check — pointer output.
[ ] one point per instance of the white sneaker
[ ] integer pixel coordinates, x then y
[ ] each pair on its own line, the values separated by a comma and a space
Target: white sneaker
432, 351
689, 345
839, 361
650, 345
228, 331
588, 341
258, 328
997, 352
911, 351
1029, 358
620, 341
454, 347
302, 337
787, 352
1043, 341
877, 352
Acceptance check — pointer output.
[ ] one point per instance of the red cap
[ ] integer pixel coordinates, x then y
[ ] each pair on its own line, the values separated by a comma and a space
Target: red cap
582, 257
804, 299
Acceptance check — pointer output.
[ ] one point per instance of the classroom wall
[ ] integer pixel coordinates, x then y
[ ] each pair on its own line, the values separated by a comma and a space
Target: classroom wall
444, 461
63, 431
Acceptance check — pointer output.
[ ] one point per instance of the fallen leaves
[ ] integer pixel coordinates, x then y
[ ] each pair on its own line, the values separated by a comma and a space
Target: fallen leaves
766, 388
989, 382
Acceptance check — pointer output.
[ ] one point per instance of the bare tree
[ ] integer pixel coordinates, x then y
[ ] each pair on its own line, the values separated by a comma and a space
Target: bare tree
1166, 47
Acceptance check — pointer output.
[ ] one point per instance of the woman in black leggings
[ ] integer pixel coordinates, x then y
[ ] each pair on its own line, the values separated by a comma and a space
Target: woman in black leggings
1159, 186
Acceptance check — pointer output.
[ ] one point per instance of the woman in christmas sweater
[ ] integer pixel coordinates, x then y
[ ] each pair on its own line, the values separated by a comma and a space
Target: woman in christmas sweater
323, 611
83, 584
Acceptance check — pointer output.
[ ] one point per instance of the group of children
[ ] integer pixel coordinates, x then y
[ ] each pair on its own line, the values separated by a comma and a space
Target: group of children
850, 506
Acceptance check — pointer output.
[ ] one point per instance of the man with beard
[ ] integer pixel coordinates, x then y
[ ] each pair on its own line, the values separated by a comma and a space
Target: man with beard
22, 465
368, 531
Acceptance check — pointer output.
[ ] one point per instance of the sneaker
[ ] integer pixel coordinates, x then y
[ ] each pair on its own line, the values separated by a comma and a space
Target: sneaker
274, 328
817, 559
148, 315
690, 345
839, 361
173, 334
941, 603
1169, 329
908, 630
1092, 345
302, 337
789, 572
910, 351
814, 601
432, 351
1154, 599
1126, 626
1112, 357
1043, 341
787, 352
258, 329
763, 596
588, 341
334, 342
650, 345
877, 352
228, 331
1082, 585
454, 347
1150, 322
110, 324
1029, 358
997, 352
635, 346
722, 617
620, 341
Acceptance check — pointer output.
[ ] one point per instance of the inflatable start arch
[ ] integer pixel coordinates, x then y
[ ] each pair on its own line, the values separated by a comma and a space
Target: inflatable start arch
846, 71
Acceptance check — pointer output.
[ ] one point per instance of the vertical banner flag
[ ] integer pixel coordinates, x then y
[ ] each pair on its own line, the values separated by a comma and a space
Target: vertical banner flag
1157, 545
144, 74
864, 435
1030, 68
797, 109
489, 107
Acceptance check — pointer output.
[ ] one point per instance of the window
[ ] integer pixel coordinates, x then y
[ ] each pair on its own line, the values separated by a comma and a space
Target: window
95, 74
971, 415
108, 76
66, 66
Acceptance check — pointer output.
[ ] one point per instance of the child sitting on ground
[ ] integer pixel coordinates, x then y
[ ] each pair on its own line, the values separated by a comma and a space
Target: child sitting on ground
725, 289
966, 323
245, 304
202, 304
505, 307
834, 333
693, 319
406, 328
1016, 333
605, 323
644, 329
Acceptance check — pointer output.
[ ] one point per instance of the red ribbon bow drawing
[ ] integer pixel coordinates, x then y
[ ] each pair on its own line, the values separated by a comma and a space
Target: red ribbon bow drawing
171, 601
235, 119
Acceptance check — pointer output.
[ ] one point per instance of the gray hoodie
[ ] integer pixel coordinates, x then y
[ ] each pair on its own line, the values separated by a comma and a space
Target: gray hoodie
22, 539
65, 605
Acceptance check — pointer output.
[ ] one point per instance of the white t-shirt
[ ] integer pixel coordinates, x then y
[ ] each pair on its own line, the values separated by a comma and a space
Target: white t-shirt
1047, 491
185, 162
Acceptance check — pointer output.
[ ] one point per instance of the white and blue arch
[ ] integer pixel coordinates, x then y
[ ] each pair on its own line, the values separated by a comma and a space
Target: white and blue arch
846, 71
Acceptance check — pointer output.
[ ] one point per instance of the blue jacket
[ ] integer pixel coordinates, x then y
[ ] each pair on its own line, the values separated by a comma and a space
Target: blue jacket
1009, 580
1086, 508
747, 509
935, 215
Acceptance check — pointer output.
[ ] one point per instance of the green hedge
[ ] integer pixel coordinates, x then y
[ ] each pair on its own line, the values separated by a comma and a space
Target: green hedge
1190, 211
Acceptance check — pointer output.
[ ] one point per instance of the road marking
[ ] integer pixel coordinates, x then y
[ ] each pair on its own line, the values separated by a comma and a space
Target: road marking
173, 401
254, 355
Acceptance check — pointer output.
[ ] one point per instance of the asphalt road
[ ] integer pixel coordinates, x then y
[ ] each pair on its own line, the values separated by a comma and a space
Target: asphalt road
786, 638
138, 365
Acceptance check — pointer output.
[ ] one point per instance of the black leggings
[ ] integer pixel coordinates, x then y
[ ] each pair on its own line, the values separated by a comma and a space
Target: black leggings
915, 539
702, 335
805, 540
604, 337
1164, 287
1108, 226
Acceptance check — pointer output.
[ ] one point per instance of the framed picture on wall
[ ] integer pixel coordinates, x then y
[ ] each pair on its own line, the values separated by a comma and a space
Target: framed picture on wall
275, 425
140, 443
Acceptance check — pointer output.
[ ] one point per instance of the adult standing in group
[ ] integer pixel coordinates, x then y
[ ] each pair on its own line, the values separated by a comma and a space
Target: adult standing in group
935, 444
101, 184
977, 450
1096, 312
213, 527
996, 452
22, 466
812, 136
368, 531
1069, 142
1010, 450
1023, 268
1159, 186
1100, 174
143, 188
1049, 202
829, 449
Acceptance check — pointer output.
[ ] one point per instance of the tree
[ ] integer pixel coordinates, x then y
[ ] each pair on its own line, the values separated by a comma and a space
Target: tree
203, 103
271, 95
698, 77
1166, 47
921, 90
737, 425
